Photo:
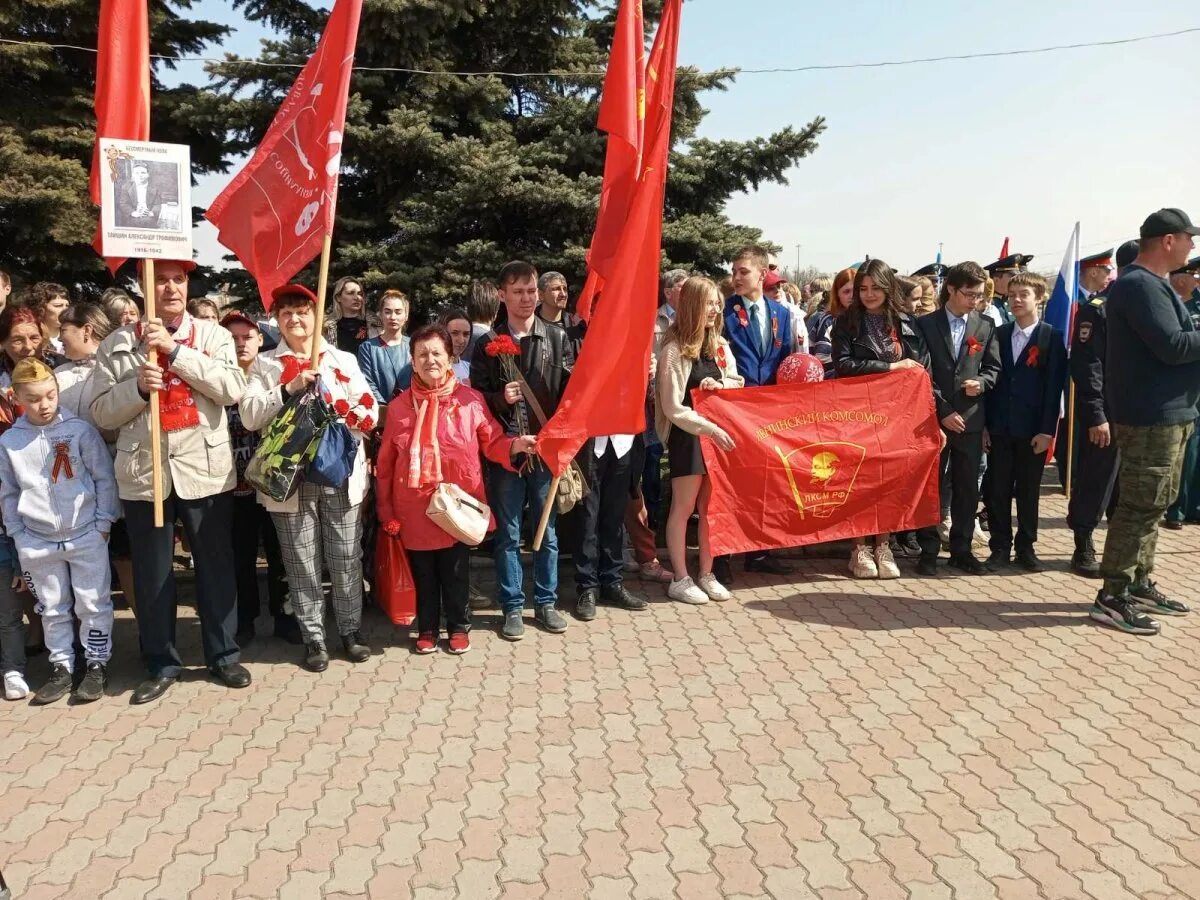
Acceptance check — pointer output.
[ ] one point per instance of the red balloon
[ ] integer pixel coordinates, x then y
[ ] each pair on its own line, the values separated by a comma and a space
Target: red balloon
800, 368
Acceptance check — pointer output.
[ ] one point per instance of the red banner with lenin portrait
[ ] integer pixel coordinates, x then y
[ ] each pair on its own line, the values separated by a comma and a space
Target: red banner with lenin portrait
821, 462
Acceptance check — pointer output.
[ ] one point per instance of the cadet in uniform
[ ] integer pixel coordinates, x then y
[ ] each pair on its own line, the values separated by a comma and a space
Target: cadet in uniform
1001, 271
1096, 456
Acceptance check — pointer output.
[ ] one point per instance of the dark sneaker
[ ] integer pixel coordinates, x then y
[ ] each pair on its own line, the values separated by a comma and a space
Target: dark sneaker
765, 565
56, 688
1119, 613
550, 618
1148, 598
356, 648
618, 595
927, 567
910, 547
91, 688
316, 657
1083, 561
1172, 524
968, 564
585, 605
998, 559
514, 626
1028, 560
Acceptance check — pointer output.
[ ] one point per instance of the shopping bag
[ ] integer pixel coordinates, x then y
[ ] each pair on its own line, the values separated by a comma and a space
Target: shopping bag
334, 460
289, 444
395, 590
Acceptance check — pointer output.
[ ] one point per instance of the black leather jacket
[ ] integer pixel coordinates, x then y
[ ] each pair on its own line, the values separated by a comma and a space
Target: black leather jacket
547, 357
860, 354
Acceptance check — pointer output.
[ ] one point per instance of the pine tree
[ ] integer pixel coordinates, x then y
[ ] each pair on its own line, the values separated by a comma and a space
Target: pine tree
446, 177
48, 126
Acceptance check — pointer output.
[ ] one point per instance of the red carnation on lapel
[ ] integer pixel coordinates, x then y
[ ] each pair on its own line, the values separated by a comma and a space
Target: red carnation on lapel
1032, 359
742, 316
973, 346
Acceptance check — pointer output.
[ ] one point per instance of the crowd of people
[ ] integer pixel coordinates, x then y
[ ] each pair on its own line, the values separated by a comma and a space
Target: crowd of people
453, 406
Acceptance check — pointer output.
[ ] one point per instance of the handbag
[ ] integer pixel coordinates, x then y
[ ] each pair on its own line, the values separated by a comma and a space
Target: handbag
288, 444
459, 514
572, 486
334, 460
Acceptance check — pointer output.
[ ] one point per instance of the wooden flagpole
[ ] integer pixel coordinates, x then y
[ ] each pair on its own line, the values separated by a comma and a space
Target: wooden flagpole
156, 480
545, 519
1070, 436
322, 284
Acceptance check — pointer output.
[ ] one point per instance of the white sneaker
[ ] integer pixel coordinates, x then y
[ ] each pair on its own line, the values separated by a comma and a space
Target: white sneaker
654, 571
862, 563
943, 531
15, 687
979, 538
714, 589
685, 591
885, 562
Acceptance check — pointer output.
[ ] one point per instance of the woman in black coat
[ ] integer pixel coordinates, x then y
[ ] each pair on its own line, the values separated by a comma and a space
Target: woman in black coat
874, 335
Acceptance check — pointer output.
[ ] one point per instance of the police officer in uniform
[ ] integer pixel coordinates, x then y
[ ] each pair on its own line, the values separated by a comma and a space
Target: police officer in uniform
1002, 270
1097, 457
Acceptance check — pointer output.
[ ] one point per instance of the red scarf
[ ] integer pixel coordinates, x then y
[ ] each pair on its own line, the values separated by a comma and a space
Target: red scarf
424, 454
176, 406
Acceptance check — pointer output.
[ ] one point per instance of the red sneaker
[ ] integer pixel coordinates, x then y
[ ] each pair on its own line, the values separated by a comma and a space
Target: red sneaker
460, 642
426, 642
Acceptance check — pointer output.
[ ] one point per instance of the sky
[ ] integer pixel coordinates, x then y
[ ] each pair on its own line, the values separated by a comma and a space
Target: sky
959, 152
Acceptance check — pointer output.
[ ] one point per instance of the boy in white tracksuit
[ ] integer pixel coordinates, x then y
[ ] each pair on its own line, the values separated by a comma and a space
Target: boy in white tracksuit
58, 495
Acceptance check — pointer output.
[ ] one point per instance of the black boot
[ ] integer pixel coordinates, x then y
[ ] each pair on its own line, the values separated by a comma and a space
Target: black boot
1084, 562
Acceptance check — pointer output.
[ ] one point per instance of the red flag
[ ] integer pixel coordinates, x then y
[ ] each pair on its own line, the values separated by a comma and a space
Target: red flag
122, 86
607, 390
277, 210
821, 462
1003, 250
622, 114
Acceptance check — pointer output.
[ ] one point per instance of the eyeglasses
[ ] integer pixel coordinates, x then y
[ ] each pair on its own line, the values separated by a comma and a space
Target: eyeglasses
973, 296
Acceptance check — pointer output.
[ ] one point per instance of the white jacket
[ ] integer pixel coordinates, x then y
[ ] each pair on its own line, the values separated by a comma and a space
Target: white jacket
263, 400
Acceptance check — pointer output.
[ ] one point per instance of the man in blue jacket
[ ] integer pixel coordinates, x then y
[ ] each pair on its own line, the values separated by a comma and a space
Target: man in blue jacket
1152, 384
759, 330
1022, 415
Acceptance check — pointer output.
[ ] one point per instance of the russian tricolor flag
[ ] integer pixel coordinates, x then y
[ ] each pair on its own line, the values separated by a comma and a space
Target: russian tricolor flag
1060, 309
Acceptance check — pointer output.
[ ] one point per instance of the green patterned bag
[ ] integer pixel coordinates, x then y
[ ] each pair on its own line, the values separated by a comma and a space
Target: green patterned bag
289, 444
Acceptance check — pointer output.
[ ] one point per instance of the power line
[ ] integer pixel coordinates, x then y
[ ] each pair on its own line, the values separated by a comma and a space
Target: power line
599, 74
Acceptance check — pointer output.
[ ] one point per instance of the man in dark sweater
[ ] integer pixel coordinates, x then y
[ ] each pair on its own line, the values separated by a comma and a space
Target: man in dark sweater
1152, 384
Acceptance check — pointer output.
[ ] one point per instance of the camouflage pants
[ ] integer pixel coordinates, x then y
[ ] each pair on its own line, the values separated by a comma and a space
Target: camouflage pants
1151, 459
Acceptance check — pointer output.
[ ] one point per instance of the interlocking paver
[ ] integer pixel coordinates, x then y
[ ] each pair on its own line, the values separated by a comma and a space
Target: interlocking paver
820, 738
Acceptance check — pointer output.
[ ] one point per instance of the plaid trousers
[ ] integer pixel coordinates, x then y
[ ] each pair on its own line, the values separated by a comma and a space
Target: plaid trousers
327, 527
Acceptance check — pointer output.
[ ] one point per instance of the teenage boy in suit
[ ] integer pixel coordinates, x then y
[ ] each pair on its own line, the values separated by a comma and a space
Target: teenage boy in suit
1022, 417
965, 363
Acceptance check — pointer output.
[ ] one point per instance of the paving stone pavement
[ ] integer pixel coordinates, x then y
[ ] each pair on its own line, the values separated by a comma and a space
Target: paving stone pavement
968, 737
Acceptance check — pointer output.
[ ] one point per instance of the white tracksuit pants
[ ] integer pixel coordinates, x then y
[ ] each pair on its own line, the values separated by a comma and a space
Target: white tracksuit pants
62, 574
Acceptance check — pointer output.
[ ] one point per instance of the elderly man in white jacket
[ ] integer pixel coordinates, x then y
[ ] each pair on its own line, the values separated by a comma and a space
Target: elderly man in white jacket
195, 371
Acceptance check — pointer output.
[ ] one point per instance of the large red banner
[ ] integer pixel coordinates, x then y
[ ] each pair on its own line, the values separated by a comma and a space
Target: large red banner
276, 211
820, 462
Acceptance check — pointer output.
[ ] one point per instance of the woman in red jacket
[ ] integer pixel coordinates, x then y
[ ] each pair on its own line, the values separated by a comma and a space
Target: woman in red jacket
436, 431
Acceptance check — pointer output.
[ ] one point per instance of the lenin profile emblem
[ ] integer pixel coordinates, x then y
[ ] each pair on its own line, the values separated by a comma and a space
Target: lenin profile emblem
821, 476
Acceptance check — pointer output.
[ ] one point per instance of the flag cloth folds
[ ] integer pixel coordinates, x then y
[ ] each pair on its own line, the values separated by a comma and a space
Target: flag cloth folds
1003, 250
275, 213
607, 390
1060, 308
622, 117
821, 462
122, 86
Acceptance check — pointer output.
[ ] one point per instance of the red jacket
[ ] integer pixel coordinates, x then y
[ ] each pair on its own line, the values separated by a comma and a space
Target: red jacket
466, 428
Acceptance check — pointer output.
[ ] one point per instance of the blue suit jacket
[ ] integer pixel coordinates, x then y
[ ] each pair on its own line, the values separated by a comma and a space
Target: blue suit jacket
1025, 400
758, 370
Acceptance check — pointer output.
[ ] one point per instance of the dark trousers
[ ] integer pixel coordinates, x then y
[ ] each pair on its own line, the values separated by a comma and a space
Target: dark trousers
441, 577
1014, 472
960, 461
603, 522
208, 524
251, 525
1095, 490
652, 483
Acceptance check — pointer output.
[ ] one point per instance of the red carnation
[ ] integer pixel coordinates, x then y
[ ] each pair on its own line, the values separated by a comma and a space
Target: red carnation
352, 420
742, 316
503, 345
973, 346
341, 407
367, 424
392, 527
366, 401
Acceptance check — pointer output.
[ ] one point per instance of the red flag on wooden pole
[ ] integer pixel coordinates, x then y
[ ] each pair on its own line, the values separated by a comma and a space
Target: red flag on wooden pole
607, 390
622, 114
278, 211
1003, 250
122, 86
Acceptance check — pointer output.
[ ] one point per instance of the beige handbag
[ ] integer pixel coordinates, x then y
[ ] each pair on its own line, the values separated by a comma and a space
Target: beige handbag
459, 514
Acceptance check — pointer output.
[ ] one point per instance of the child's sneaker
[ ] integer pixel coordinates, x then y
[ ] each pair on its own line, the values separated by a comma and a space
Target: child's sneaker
686, 591
715, 590
460, 642
92, 686
426, 642
15, 687
56, 688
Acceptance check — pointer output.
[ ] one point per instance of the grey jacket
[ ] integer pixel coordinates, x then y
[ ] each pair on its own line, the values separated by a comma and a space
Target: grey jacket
56, 480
